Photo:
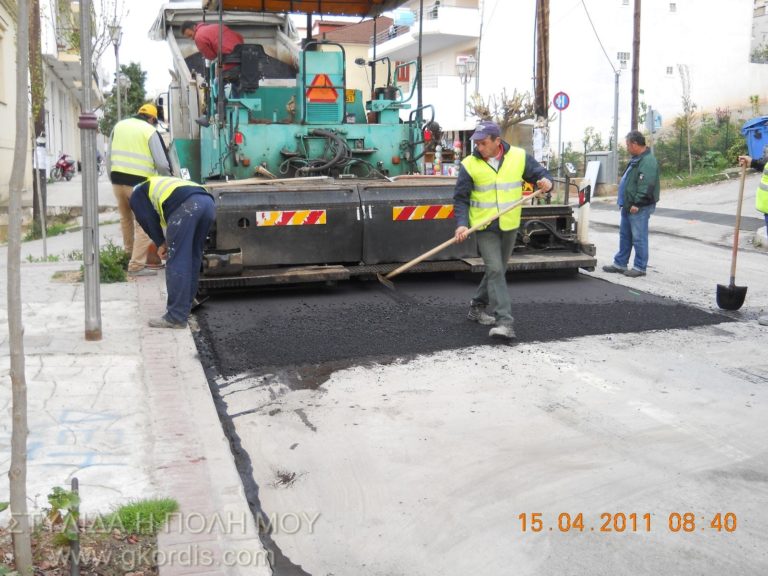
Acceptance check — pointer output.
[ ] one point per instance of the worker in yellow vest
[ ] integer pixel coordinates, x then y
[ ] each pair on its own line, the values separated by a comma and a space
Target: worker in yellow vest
176, 214
761, 200
136, 152
489, 180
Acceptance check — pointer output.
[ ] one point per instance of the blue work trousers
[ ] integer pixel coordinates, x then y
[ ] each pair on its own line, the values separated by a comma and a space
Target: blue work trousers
495, 247
185, 235
633, 232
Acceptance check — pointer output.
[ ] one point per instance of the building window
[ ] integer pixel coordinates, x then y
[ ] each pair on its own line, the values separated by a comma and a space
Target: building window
673, 7
403, 73
670, 70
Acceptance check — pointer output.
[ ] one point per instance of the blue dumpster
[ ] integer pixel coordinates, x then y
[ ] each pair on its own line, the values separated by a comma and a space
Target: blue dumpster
756, 133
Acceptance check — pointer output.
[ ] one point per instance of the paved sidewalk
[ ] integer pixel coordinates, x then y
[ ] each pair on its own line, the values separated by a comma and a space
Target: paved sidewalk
131, 416
714, 199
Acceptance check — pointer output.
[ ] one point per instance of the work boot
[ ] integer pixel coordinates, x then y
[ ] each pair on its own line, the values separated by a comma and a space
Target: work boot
477, 314
162, 322
614, 269
763, 320
502, 331
634, 273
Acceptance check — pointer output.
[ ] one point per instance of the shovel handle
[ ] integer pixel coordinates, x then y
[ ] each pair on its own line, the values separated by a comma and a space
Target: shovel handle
735, 250
444, 245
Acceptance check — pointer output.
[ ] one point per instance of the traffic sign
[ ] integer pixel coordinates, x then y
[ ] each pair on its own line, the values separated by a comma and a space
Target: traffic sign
561, 100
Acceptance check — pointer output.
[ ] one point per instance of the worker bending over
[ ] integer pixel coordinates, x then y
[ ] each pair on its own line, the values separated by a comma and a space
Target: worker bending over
177, 215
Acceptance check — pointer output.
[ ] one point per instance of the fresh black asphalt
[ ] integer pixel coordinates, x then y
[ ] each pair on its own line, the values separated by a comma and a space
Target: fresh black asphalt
306, 333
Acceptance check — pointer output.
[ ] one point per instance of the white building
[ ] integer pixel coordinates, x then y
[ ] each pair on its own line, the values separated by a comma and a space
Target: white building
451, 33
8, 98
712, 38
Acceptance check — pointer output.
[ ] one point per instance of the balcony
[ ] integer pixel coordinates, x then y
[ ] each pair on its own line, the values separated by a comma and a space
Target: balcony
445, 24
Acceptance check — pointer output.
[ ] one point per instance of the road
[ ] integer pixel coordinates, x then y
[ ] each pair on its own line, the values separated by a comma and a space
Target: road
623, 433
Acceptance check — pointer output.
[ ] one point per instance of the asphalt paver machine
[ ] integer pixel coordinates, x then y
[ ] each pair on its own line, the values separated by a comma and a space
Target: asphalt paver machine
313, 180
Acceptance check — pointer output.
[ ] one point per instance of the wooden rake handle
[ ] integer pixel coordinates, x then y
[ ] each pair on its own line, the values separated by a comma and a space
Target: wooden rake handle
735, 249
444, 245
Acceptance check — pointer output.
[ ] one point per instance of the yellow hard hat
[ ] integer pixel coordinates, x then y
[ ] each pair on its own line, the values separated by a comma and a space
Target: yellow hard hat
149, 110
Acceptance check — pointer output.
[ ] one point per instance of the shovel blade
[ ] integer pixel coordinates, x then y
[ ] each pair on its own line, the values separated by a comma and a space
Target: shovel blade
730, 297
386, 281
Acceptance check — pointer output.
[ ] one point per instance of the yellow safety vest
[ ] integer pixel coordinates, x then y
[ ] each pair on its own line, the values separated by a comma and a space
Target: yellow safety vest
493, 191
129, 152
761, 198
160, 189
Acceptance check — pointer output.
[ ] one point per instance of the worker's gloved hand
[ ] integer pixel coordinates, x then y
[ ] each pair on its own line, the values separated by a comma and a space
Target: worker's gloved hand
461, 234
162, 251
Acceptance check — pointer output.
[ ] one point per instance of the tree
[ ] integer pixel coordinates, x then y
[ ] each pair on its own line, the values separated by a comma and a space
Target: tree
17, 474
689, 110
759, 55
505, 111
131, 100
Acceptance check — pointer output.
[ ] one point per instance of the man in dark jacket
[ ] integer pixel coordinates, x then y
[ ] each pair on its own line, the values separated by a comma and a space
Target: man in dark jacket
177, 215
638, 193
489, 180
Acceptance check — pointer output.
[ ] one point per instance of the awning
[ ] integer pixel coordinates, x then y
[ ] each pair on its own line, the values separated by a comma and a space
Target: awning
333, 7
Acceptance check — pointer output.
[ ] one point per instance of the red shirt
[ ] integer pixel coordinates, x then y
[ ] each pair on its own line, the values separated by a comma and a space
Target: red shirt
207, 40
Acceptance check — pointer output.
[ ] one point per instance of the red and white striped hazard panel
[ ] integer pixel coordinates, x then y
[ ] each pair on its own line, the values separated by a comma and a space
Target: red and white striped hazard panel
290, 218
424, 212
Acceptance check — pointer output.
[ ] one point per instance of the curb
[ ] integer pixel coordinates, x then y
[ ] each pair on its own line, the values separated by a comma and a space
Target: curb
214, 531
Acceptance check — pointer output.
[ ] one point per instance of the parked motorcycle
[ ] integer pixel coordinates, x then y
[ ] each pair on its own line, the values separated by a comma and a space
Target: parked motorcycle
65, 168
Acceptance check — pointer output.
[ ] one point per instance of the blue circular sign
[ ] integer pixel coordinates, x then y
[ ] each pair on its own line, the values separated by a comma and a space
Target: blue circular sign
561, 100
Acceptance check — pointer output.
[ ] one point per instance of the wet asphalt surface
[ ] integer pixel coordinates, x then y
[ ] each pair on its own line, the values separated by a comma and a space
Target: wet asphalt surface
304, 334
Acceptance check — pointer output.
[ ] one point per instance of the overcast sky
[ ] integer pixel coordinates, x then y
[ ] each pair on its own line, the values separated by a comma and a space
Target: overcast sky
153, 56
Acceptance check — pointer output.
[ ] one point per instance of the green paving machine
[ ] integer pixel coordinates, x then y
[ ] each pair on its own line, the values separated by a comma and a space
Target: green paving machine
313, 180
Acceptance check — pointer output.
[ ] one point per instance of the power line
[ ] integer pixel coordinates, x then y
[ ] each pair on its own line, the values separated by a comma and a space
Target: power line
598, 37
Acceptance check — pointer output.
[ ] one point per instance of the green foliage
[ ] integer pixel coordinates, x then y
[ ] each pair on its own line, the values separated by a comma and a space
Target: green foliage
759, 55
49, 258
738, 148
130, 100
144, 516
715, 144
64, 512
113, 261
4, 505
35, 232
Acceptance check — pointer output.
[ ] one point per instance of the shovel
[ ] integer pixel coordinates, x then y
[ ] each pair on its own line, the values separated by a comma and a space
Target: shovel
386, 280
731, 297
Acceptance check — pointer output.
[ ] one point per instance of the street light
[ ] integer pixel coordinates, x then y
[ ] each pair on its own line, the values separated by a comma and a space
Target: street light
465, 68
116, 34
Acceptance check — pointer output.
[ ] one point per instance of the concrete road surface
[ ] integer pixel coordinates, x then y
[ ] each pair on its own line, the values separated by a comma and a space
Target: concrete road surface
638, 453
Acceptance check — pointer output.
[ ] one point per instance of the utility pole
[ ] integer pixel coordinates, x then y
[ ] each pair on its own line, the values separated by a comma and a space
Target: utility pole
635, 66
88, 125
541, 84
